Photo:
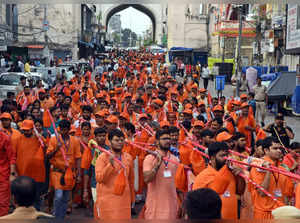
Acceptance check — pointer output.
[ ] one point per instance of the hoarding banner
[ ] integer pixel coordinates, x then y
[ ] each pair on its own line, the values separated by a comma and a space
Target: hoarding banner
293, 27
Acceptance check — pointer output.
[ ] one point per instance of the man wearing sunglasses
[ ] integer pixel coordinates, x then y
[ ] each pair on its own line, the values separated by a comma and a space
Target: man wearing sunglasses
159, 174
280, 130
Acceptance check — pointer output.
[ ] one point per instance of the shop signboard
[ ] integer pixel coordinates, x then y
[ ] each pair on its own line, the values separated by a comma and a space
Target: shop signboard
3, 43
293, 29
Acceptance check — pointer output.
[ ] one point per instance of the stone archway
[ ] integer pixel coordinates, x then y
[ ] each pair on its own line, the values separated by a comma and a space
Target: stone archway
141, 8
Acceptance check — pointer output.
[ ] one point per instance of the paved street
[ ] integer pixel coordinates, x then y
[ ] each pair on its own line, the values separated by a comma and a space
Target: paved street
292, 121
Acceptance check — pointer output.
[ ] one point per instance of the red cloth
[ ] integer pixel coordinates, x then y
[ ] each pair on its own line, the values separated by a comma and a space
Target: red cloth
7, 157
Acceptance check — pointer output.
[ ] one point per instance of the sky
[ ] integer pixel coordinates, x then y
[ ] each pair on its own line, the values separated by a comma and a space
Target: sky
135, 20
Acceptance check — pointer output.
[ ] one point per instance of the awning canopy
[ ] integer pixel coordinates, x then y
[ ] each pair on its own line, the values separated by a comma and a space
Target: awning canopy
35, 46
181, 49
282, 87
86, 44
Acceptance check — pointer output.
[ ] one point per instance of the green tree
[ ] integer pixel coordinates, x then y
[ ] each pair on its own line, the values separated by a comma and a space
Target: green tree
127, 34
116, 37
99, 17
149, 42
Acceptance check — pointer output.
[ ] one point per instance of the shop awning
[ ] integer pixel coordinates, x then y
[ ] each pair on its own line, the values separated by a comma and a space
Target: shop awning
35, 46
282, 87
86, 44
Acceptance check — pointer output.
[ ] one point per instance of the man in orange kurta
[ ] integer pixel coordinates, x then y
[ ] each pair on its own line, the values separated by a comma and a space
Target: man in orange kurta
246, 124
64, 155
278, 185
8, 171
6, 120
224, 180
159, 175
46, 103
110, 204
29, 162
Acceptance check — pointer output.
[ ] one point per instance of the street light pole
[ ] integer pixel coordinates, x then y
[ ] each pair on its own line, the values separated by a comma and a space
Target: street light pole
238, 56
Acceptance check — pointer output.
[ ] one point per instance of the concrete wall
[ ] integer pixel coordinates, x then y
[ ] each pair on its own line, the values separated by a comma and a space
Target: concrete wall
183, 31
64, 23
2, 13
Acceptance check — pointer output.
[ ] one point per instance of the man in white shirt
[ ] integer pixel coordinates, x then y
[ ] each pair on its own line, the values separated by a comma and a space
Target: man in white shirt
182, 69
205, 76
149, 69
260, 97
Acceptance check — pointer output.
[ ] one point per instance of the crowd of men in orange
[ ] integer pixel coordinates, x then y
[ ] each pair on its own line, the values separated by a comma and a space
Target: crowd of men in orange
110, 141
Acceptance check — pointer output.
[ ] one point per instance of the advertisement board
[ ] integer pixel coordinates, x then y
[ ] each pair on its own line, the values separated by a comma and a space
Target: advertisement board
293, 30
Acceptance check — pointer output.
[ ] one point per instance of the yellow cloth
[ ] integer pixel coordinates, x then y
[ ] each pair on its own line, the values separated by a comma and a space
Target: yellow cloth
27, 67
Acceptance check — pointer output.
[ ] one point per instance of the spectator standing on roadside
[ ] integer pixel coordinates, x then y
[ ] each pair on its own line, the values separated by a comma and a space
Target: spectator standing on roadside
205, 76
260, 96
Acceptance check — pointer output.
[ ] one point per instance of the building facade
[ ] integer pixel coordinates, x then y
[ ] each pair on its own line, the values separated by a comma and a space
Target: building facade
187, 25
52, 30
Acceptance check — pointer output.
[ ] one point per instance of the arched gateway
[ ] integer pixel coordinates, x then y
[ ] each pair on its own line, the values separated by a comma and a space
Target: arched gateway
154, 11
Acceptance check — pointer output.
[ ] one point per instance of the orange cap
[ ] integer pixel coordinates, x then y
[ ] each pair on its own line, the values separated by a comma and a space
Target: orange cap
188, 111
42, 90
6, 115
243, 96
174, 92
127, 94
158, 101
27, 124
236, 102
199, 123
164, 124
202, 90
194, 86
106, 111
125, 115
143, 116
201, 103
112, 119
188, 106
223, 136
244, 105
218, 108
101, 113
119, 89
100, 95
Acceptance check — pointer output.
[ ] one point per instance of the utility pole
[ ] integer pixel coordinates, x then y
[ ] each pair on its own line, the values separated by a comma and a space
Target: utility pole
120, 35
258, 36
223, 49
238, 55
45, 28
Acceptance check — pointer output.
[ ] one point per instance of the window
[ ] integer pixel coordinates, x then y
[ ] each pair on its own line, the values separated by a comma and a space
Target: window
10, 79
